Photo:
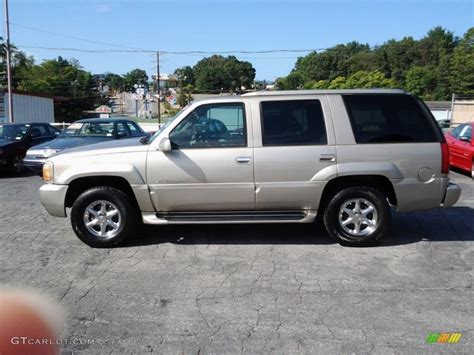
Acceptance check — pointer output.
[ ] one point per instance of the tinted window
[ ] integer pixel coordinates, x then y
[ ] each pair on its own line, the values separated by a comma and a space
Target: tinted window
39, 131
52, 131
466, 132
216, 125
89, 129
456, 132
13, 132
121, 130
390, 119
134, 129
296, 122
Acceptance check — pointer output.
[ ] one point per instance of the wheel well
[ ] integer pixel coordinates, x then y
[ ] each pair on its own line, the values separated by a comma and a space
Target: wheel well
78, 186
378, 182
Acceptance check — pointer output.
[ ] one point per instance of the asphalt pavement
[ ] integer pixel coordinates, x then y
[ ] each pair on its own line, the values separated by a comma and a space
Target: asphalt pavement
284, 289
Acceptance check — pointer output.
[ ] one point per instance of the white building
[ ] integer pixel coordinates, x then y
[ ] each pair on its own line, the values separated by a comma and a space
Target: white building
27, 108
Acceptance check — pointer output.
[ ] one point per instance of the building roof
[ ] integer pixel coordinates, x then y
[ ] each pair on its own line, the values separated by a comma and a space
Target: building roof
438, 105
324, 92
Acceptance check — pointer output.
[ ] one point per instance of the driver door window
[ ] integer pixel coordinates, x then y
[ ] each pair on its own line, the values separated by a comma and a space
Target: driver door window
212, 126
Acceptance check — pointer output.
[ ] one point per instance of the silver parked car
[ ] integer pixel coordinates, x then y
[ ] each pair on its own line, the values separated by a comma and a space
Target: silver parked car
263, 157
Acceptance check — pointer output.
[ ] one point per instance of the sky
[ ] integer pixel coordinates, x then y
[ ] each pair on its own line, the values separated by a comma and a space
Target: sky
217, 26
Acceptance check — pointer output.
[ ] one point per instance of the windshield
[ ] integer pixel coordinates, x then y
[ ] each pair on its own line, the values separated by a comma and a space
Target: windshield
89, 129
13, 132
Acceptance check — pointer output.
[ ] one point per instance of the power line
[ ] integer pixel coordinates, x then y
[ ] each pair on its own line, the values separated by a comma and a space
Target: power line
74, 37
198, 53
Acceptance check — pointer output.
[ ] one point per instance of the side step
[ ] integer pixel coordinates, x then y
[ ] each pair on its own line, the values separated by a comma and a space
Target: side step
228, 217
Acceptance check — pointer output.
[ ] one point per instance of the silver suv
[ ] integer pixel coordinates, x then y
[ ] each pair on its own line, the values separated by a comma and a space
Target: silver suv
346, 156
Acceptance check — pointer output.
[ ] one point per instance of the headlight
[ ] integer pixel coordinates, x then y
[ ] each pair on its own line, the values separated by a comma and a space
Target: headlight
48, 173
49, 152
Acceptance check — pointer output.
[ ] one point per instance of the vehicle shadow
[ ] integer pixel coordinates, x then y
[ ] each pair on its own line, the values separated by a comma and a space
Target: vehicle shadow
436, 225
461, 172
11, 175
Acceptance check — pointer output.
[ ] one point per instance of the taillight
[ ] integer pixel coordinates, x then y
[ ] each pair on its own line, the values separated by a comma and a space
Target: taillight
444, 158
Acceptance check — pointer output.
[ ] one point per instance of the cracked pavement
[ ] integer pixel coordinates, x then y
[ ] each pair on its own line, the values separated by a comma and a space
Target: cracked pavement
248, 288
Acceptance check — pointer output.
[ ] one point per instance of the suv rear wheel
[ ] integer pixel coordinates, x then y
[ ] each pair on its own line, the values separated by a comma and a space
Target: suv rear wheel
103, 217
357, 216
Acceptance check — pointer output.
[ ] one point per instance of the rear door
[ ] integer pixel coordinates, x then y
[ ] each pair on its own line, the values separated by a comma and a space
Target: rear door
294, 143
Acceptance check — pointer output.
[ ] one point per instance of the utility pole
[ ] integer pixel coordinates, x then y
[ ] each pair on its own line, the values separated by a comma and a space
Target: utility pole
158, 86
9, 64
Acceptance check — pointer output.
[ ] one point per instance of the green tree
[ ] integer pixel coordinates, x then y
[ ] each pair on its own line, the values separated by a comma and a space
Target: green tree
184, 96
73, 88
293, 81
420, 81
135, 77
217, 73
185, 76
115, 82
462, 66
368, 80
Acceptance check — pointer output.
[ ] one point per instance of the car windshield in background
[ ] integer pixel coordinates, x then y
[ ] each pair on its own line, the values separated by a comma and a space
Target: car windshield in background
13, 132
89, 129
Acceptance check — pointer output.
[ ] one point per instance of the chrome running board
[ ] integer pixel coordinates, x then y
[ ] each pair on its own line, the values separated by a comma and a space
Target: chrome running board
228, 217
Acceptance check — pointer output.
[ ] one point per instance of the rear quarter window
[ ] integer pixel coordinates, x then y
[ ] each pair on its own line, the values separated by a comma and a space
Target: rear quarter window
390, 119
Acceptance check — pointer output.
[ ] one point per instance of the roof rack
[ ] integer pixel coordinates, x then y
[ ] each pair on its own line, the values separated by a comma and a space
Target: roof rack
324, 92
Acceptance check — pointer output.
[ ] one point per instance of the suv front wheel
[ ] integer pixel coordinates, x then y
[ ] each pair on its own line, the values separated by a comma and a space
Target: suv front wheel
357, 216
102, 217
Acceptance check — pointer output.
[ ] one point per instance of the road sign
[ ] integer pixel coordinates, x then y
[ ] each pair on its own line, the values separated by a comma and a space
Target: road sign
103, 109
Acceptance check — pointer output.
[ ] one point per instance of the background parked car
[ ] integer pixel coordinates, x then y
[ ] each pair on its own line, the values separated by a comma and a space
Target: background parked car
461, 147
82, 132
17, 138
444, 125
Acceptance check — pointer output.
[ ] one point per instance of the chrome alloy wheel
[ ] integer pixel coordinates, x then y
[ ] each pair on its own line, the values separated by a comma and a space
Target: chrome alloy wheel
102, 219
358, 217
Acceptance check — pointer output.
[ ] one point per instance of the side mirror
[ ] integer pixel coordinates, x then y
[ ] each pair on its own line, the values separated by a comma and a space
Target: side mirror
165, 145
464, 139
121, 134
35, 135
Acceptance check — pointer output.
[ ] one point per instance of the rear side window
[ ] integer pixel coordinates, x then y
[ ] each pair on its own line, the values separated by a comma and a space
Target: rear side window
295, 122
390, 119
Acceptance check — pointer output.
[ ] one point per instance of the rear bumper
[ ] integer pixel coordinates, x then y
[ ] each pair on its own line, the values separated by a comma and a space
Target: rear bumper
452, 194
53, 199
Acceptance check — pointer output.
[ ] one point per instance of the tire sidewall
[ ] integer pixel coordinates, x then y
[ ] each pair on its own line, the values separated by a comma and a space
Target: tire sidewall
119, 199
331, 216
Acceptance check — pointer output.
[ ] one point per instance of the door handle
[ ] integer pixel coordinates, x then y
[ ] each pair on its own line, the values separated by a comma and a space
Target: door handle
243, 160
327, 157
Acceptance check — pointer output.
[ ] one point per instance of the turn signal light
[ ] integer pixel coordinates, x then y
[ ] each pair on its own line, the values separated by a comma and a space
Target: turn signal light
48, 171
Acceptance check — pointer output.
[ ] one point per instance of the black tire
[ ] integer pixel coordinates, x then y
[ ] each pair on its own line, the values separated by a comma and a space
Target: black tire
334, 216
125, 217
16, 165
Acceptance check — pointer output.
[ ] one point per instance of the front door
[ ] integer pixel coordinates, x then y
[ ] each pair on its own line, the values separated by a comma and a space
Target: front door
210, 167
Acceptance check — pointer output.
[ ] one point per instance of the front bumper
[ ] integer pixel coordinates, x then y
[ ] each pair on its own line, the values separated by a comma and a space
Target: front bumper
53, 198
452, 194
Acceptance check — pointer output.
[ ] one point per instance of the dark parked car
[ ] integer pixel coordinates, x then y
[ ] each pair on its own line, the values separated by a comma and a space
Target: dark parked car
444, 125
17, 138
82, 132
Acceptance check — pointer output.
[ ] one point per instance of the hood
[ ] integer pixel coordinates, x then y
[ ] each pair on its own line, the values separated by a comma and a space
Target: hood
70, 142
115, 145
